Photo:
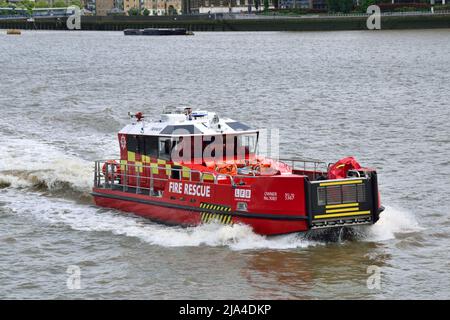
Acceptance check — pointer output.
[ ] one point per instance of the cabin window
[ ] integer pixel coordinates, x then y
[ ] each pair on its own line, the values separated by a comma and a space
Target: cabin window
131, 143
151, 146
144, 145
165, 148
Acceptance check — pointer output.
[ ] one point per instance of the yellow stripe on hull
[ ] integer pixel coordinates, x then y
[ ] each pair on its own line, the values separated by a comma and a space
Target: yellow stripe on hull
339, 183
341, 210
355, 213
345, 205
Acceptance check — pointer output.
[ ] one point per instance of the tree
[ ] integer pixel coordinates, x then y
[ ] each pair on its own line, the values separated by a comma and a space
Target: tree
367, 3
59, 4
333, 5
266, 5
76, 3
172, 11
27, 5
146, 12
344, 6
41, 4
133, 12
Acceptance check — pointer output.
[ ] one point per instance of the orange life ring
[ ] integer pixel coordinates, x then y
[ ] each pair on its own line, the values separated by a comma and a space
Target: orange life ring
226, 169
113, 169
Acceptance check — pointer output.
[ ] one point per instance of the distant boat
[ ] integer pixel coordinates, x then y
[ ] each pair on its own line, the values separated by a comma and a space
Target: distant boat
14, 32
157, 32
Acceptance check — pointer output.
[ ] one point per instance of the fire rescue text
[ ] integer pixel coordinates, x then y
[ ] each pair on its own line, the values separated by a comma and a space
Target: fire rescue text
190, 189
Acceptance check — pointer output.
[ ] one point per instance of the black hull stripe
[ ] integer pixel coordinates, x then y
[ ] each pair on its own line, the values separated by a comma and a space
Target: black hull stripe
176, 206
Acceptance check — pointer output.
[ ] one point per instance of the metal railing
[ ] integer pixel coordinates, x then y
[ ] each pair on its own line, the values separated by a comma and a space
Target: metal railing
316, 167
111, 174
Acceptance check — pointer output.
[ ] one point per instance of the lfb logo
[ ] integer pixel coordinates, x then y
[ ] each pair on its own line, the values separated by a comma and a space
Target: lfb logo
74, 20
374, 20
123, 142
243, 193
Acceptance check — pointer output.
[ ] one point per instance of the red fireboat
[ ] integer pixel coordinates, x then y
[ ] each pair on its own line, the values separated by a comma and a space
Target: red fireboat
192, 167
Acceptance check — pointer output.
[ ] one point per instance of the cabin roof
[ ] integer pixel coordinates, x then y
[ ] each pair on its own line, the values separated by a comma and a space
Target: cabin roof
182, 124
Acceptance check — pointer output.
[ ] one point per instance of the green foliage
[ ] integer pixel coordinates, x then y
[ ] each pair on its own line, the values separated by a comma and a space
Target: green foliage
59, 4
26, 4
367, 3
75, 3
333, 5
133, 12
41, 4
146, 12
266, 5
172, 11
343, 6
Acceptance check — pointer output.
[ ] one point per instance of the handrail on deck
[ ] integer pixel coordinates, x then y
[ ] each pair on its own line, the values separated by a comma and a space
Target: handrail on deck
315, 170
110, 175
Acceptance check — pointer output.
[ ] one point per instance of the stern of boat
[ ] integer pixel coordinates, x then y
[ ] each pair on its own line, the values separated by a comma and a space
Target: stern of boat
344, 202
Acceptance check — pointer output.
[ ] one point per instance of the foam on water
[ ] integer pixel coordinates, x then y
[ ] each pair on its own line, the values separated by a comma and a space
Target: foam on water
23, 166
392, 221
27, 163
236, 237
89, 218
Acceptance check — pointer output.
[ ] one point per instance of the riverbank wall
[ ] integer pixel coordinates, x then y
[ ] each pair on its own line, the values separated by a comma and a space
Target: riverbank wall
202, 23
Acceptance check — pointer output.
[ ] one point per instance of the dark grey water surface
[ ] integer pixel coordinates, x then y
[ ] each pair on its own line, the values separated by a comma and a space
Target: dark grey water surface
380, 96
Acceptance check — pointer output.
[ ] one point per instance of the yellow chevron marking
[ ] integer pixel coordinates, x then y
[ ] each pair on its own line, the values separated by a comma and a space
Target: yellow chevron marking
338, 183
161, 161
154, 167
208, 176
122, 165
185, 172
229, 220
341, 210
345, 205
131, 156
168, 167
138, 166
356, 213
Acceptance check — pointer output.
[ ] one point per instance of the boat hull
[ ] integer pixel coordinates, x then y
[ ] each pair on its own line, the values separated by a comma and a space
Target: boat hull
161, 211
156, 32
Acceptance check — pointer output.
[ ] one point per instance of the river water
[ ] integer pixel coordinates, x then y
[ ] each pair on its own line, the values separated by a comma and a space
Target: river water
380, 96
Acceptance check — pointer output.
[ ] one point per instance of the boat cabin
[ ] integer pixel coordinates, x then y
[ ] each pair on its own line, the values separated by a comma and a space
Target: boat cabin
185, 136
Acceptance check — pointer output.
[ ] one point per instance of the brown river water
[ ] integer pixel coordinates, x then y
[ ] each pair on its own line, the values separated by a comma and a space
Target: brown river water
380, 96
